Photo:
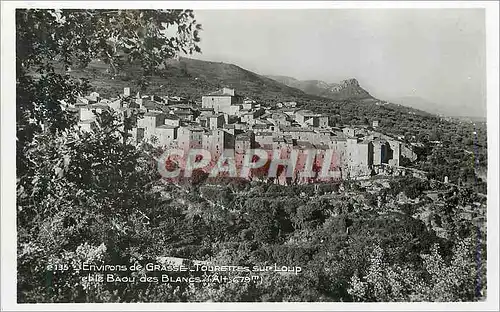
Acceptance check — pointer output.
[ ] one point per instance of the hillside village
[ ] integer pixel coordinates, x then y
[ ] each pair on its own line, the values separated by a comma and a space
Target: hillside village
104, 214
228, 123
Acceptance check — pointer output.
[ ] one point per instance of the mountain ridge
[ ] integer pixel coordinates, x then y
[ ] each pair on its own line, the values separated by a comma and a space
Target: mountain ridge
192, 78
345, 89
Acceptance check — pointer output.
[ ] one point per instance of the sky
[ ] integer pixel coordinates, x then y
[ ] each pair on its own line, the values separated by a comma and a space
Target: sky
434, 54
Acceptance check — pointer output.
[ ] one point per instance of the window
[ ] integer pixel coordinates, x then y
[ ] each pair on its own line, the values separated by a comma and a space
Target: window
140, 134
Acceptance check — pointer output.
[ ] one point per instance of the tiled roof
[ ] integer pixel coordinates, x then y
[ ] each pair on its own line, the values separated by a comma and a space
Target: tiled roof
88, 121
152, 114
214, 116
243, 137
171, 117
337, 138
219, 93
379, 141
183, 112
167, 127
304, 144
102, 106
296, 129
321, 146
260, 126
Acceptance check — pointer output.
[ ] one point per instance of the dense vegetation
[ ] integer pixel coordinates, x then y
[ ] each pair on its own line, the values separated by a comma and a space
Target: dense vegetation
88, 197
452, 148
354, 242
188, 78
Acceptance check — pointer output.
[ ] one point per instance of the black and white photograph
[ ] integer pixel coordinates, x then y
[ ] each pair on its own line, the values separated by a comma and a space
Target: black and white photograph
185, 152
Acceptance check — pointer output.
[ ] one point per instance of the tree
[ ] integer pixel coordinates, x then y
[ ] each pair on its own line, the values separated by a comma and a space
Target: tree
198, 176
440, 280
49, 42
310, 215
456, 280
262, 220
81, 188
85, 193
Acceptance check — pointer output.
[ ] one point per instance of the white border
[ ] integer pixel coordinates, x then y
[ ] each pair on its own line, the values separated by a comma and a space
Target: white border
8, 159
222, 5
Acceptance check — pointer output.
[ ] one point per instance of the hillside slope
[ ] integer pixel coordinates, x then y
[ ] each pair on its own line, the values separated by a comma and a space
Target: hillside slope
192, 78
421, 104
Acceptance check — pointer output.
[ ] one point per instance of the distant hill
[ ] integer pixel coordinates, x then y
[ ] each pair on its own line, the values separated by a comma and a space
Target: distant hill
422, 104
419, 103
471, 119
346, 89
192, 78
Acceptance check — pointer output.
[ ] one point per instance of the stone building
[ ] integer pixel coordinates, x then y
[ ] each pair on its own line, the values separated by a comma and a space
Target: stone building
190, 137
303, 115
149, 122
223, 101
185, 114
247, 116
281, 119
212, 122
395, 152
172, 120
263, 138
380, 152
301, 134
86, 125
217, 142
349, 131
244, 142
165, 135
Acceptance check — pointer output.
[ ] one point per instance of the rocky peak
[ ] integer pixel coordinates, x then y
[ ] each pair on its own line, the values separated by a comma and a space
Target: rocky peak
349, 82
345, 89
345, 84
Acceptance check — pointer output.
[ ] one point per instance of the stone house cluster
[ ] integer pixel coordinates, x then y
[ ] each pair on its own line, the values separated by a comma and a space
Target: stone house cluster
231, 124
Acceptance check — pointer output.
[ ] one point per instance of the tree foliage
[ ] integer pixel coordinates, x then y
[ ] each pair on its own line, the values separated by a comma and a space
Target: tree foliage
78, 188
50, 42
